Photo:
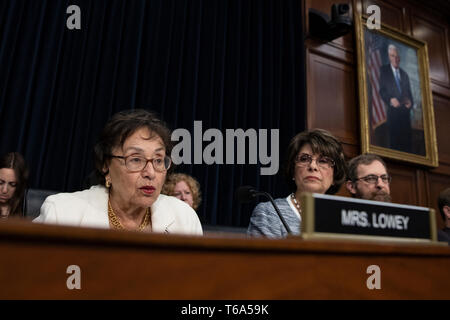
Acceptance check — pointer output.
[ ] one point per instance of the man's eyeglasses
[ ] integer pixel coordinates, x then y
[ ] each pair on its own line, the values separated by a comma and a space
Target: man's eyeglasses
136, 163
304, 160
373, 178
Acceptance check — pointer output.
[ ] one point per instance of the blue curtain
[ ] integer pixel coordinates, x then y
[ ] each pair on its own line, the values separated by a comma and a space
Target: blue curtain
230, 64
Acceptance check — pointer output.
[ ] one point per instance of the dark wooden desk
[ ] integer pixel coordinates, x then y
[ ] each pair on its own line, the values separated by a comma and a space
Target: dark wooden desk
128, 265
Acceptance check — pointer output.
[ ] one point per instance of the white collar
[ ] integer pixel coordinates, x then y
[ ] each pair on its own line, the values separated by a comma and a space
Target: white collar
393, 70
162, 215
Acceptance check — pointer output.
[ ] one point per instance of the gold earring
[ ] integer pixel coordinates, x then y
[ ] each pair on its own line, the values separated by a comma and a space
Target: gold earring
108, 184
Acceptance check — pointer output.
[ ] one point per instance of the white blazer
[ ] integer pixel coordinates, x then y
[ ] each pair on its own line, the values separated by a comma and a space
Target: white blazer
89, 208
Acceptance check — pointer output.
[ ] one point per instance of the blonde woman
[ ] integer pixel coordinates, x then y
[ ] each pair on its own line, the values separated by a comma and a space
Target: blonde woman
183, 187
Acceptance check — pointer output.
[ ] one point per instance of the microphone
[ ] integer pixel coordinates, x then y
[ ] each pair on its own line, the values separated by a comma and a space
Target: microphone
246, 194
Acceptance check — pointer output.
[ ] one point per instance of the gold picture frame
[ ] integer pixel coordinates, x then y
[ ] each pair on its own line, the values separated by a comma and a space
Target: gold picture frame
396, 105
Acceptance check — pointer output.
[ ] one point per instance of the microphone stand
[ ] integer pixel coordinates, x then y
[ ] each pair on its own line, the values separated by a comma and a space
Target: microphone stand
262, 193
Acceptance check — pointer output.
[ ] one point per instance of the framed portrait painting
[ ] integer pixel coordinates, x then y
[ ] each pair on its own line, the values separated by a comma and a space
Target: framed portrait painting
396, 106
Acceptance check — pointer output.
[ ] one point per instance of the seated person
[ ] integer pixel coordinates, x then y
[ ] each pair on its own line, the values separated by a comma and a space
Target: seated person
444, 208
315, 163
368, 178
13, 182
131, 161
183, 187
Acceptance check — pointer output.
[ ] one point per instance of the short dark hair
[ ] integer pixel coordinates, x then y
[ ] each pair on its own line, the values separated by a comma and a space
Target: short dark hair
365, 159
324, 143
15, 161
443, 200
121, 126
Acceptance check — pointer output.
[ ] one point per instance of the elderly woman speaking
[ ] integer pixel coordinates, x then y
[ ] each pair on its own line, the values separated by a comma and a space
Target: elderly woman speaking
131, 160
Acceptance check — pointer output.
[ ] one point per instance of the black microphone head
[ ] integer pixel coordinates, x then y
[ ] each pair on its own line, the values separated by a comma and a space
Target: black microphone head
245, 194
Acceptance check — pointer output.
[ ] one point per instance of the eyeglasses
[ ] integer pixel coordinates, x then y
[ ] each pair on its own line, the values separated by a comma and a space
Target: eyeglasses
9, 185
373, 178
304, 160
136, 163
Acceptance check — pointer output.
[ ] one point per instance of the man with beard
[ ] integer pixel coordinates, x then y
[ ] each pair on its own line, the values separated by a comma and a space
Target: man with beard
368, 178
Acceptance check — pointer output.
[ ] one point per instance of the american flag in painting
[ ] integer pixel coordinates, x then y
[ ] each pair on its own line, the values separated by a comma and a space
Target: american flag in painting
373, 72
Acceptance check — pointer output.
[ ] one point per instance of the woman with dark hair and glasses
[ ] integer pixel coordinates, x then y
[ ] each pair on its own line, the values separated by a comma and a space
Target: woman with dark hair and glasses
315, 163
13, 182
131, 161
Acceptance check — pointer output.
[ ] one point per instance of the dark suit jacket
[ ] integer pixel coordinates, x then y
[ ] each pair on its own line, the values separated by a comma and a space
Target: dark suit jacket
388, 86
398, 119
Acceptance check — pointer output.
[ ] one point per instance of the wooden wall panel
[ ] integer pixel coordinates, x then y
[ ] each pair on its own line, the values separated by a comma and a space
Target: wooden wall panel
331, 97
436, 36
403, 185
442, 120
332, 101
391, 13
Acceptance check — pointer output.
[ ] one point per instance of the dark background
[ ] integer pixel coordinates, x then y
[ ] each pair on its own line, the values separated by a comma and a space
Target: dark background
231, 64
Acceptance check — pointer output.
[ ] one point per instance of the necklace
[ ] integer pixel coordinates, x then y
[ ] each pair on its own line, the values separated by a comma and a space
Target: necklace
297, 205
115, 223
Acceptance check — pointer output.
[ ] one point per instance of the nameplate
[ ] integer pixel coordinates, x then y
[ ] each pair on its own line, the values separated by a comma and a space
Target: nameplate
325, 215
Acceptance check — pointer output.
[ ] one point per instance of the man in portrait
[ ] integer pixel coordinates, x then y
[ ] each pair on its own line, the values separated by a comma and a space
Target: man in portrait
395, 90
